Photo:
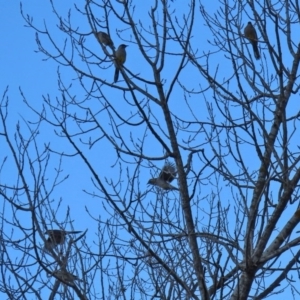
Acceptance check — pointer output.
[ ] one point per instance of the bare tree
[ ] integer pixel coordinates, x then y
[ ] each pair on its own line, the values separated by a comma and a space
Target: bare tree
193, 104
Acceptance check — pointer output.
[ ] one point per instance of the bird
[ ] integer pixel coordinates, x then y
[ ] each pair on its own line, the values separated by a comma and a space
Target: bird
65, 276
56, 237
167, 175
251, 35
105, 39
120, 59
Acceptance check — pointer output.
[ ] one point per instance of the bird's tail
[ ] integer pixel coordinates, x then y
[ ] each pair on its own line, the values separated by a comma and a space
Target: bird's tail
116, 74
255, 50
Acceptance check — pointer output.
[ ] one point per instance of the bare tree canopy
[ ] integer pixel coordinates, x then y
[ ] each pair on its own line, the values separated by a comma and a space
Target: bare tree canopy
175, 123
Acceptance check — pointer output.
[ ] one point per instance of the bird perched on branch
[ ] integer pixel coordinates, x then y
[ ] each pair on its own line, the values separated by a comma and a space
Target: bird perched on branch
56, 237
105, 39
251, 35
167, 175
65, 276
119, 60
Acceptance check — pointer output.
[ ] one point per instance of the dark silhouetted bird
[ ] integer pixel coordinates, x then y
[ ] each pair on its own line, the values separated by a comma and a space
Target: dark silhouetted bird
119, 60
65, 276
105, 39
167, 175
56, 237
251, 35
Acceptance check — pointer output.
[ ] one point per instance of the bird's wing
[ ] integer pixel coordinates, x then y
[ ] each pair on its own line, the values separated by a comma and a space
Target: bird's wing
168, 172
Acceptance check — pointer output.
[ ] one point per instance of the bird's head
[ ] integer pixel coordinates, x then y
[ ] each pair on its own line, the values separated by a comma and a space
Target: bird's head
151, 181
